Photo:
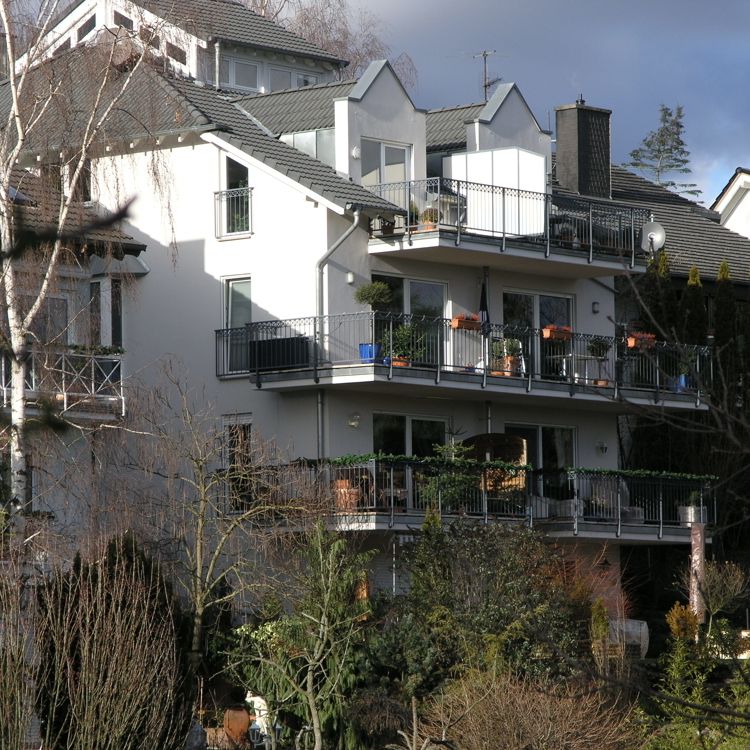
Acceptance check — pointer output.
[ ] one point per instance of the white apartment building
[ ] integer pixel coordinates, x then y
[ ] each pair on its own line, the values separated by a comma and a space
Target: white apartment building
501, 325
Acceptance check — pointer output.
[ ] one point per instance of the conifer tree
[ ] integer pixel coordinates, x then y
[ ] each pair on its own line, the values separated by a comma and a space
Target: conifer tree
663, 152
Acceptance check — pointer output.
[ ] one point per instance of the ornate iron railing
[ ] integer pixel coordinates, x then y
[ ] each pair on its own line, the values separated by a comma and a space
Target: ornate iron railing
591, 228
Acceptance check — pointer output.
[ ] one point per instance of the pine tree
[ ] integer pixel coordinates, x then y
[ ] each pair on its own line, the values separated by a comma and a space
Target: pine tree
663, 152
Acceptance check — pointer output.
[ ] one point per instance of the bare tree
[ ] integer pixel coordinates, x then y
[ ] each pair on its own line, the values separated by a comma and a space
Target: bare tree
63, 117
355, 36
108, 671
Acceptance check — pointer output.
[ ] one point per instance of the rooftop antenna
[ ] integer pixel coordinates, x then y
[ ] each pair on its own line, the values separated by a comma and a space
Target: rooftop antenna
488, 82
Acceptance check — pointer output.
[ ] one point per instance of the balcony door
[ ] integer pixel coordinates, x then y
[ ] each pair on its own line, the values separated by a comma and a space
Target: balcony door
237, 315
524, 312
549, 450
401, 435
420, 304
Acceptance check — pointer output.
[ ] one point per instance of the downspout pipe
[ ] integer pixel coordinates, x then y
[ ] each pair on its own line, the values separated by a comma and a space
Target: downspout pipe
319, 268
217, 63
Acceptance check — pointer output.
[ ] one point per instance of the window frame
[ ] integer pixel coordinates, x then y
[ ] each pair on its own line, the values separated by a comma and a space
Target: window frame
408, 148
231, 62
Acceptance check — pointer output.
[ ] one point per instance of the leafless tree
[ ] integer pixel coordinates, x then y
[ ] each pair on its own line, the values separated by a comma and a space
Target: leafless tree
485, 711
356, 36
61, 118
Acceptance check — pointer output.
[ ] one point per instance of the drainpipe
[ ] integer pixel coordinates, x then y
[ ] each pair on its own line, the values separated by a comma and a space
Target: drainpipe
217, 63
321, 264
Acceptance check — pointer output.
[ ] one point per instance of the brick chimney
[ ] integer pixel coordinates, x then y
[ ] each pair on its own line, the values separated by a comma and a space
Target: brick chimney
583, 149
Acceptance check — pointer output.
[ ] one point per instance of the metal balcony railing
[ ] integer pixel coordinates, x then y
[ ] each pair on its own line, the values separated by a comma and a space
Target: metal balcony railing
233, 212
468, 488
405, 344
75, 381
594, 229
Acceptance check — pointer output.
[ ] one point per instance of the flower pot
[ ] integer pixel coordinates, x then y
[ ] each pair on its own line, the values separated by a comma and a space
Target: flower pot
601, 383
369, 353
400, 361
468, 323
557, 333
689, 514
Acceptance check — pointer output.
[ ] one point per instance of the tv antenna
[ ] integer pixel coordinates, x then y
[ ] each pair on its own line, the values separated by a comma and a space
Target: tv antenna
488, 82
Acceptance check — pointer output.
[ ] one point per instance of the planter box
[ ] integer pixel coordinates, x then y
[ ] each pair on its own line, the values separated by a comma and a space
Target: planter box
466, 323
689, 514
369, 353
641, 341
557, 333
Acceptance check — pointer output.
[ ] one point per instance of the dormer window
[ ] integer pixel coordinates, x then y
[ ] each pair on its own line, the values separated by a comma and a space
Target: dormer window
124, 21
86, 27
238, 74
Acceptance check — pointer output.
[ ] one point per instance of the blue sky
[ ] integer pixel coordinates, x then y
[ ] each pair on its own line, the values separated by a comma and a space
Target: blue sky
626, 56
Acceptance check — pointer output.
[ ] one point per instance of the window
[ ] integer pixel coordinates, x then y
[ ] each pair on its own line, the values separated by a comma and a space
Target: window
82, 192
280, 79
238, 463
116, 312
86, 27
400, 435
124, 21
305, 79
316, 143
233, 206
551, 449
95, 313
233, 73
64, 46
148, 34
51, 323
384, 162
237, 314
176, 53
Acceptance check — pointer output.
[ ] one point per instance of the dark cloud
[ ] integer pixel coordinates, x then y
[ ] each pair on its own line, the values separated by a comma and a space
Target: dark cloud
627, 56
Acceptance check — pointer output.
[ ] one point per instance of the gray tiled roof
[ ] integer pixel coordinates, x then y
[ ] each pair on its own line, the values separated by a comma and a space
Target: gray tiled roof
694, 236
156, 104
39, 211
309, 108
239, 130
446, 128
232, 22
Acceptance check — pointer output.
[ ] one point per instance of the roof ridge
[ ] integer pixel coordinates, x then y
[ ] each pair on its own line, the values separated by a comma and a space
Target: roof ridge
455, 108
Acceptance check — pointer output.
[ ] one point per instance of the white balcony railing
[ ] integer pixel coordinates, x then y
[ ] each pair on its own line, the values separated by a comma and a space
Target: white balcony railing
73, 381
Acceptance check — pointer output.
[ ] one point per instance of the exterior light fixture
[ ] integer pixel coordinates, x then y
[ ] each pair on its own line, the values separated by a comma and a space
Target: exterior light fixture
353, 420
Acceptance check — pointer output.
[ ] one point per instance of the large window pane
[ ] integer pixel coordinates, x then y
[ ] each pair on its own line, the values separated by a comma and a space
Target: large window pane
280, 79
554, 311
239, 305
245, 75
425, 435
518, 310
426, 299
557, 447
395, 164
389, 434
370, 157
396, 285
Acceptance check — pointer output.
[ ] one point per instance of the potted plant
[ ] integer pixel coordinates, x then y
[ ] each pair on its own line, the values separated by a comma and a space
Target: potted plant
641, 340
413, 217
505, 354
429, 219
469, 321
376, 294
599, 348
406, 344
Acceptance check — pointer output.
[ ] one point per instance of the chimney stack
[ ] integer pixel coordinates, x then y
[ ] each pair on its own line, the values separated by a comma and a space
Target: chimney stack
583, 149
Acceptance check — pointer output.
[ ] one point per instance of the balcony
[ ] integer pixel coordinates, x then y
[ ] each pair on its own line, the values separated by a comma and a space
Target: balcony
454, 354
77, 383
393, 492
546, 225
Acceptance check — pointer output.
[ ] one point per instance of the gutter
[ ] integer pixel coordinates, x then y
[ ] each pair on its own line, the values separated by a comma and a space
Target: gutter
319, 267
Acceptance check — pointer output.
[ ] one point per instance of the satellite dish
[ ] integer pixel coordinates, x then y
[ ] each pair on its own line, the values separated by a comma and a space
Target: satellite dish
653, 237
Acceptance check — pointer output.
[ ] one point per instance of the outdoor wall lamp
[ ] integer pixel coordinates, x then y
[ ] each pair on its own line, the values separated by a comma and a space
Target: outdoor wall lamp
353, 420
595, 308
602, 447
